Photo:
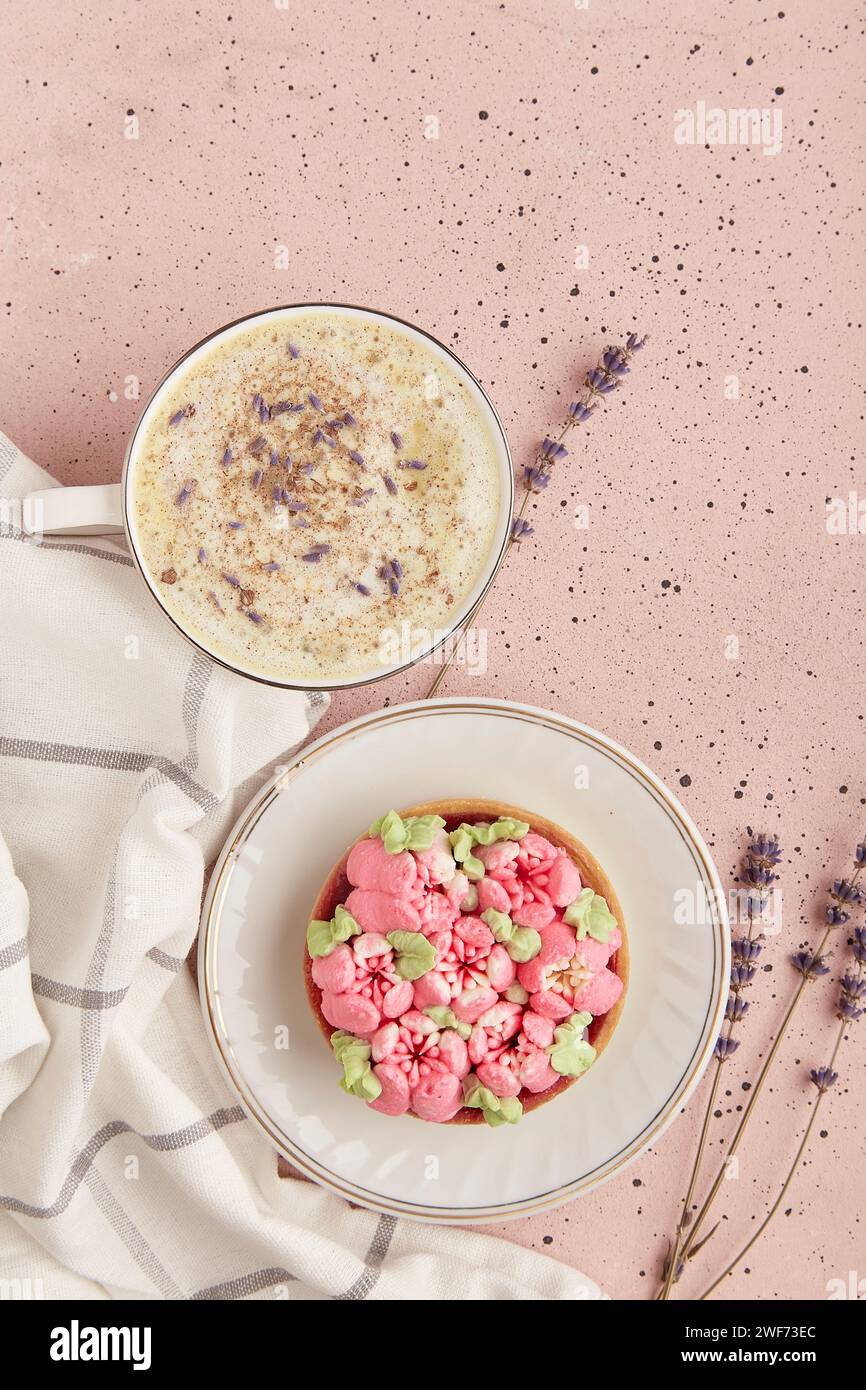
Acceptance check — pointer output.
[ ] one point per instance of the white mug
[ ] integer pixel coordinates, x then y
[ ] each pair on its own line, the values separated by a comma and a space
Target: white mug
106, 509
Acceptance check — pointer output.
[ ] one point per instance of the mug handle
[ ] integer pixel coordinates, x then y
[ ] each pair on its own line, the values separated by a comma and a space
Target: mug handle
74, 511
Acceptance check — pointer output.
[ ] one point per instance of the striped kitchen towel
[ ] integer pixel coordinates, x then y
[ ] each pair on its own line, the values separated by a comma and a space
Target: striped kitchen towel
127, 1169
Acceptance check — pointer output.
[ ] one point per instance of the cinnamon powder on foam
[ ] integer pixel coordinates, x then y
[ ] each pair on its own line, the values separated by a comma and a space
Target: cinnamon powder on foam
306, 620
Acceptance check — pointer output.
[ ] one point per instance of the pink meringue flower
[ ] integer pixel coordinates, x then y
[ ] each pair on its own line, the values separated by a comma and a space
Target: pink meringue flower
351, 1013
436, 865
361, 984
411, 1059
496, 856
535, 914
438, 1097
599, 994
568, 975
436, 913
461, 956
381, 912
491, 893
336, 972
507, 1049
493, 1031
394, 1097
563, 881
472, 1003
536, 852
502, 1081
369, 866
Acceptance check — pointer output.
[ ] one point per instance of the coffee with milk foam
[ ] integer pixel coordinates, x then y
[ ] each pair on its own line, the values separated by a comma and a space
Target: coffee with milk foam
309, 486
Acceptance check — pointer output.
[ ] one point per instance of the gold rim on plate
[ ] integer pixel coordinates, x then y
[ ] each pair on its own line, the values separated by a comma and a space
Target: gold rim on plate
212, 916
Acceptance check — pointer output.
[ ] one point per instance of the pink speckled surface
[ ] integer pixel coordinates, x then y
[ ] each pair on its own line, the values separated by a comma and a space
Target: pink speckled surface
305, 126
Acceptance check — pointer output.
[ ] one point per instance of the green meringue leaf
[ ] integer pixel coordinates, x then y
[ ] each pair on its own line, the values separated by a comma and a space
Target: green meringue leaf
524, 945
466, 836
444, 1017
509, 1112
570, 1054
497, 1110
521, 943
473, 868
324, 937
499, 923
368, 1086
506, 828
344, 925
476, 1096
421, 831
391, 831
415, 955
461, 843
413, 833
590, 915
354, 1054
320, 941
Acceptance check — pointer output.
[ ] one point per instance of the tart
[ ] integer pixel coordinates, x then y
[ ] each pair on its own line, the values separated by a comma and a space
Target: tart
466, 961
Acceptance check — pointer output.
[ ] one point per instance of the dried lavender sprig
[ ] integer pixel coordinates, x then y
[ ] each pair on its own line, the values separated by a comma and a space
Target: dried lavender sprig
852, 996
763, 850
613, 366
598, 383
810, 966
823, 1079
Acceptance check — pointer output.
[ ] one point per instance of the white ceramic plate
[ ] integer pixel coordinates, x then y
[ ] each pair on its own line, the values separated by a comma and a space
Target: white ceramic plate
268, 876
